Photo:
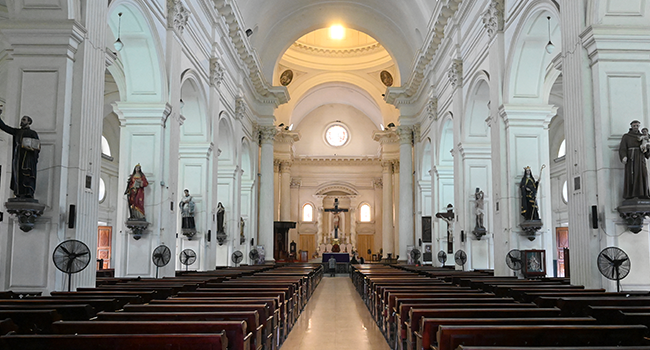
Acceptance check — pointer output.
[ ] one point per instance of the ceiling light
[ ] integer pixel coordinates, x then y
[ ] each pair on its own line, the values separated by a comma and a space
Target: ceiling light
118, 44
337, 32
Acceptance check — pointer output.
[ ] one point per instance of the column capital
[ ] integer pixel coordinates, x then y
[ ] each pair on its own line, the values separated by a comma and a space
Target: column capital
296, 182
177, 16
385, 136
432, 108
455, 73
285, 136
387, 165
217, 72
267, 134
240, 108
378, 183
493, 18
285, 165
405, 133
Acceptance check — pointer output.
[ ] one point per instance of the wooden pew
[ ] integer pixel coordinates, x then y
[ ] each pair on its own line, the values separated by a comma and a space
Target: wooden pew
132, 297
471, 347
7, 325
251, 318
450, 337
31, 321
264, 312
73, 312
214, 341
429, 326
416, 314
238, 337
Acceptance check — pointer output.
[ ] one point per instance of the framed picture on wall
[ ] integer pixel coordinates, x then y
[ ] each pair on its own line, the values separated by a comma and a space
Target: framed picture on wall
427, 257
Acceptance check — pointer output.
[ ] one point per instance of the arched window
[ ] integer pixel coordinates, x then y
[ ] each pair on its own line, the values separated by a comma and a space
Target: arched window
562, 151
565, 192
106, 148
308, 213
102, 190
364, 213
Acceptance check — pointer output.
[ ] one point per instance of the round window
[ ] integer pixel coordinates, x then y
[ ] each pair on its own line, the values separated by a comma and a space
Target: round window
337, 135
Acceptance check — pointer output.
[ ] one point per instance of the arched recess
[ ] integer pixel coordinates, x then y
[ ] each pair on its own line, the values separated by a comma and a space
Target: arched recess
194, 164
248, 195
475, 128
528, 59
141, 58
424, 181
227, 186
444, 181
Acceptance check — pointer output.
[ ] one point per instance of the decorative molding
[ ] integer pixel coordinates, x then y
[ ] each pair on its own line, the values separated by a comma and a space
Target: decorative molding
267, 134
356, 51
417, 133
432, 108
296, 182
240, 108
378, 183
387, 165
455, 73
285, 136
285, 166
405, 133
385, 137
407, 92
266, 93
338, 161
493, 18
217, 72
177, 16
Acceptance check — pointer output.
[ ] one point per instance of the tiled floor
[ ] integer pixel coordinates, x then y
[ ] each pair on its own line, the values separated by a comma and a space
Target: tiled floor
335, 318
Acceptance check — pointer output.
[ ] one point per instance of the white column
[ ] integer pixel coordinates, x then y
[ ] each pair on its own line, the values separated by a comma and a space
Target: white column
276, 187
387, 212
285, 191
265, 237
405, 189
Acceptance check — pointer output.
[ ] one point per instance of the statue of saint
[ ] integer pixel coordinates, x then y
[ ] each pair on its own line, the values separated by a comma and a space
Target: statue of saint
26, 147
634, 157
187, 213
478, 196
220, 213
135, 192
528, 189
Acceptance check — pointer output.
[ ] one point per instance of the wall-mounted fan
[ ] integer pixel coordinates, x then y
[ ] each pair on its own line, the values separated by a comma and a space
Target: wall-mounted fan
460, 258
514, 260
254, 256
161, 257
614, 264
70, 257
415, 256
187, 257
237, 257
442, 257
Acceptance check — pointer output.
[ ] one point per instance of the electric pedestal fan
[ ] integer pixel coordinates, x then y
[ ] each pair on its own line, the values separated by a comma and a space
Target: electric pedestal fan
415, 256
614, 264
442, 257
460, 258
161, 256
514, 260
237, 257
187, 257
70, 257
254, 256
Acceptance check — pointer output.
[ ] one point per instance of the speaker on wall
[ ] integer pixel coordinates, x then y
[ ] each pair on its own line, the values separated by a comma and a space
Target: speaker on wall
209, 236
594, 217
72, 215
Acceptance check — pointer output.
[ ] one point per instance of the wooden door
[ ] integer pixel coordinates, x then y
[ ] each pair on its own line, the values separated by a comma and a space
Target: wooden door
562, 242
365, 242
104, 242
307, 243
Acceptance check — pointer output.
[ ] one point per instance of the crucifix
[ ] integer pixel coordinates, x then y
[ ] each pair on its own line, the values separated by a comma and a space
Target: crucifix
448, 217
337, 218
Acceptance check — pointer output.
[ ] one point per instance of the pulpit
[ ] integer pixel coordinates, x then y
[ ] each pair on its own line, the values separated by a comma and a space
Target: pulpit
281, 239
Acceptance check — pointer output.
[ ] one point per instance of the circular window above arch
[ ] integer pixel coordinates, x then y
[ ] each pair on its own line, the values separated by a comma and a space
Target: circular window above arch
337, 135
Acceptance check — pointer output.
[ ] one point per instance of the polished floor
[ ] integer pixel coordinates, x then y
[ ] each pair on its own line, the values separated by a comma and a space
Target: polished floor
335, 318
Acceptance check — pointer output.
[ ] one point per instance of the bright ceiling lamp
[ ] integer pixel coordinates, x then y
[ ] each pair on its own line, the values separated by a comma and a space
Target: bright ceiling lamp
337, 32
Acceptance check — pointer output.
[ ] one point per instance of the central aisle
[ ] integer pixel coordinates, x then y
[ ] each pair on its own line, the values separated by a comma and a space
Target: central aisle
335, 318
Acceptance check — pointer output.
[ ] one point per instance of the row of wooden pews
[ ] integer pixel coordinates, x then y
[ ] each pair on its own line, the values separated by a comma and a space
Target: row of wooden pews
243, 308
442, 309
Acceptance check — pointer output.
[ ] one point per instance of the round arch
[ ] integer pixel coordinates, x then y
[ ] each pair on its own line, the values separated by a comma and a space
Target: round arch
446, 137
196, 127
527, 57
226, 145
477, 109
426, 163
141, 58
247, 165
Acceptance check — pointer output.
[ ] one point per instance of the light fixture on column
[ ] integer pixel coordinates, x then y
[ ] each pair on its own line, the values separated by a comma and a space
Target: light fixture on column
118, 44
549, 47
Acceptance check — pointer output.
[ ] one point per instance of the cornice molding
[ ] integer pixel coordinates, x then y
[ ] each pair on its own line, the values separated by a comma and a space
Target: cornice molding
406, 93
361, 50
385, 136
284, 136
338, 161
265, 93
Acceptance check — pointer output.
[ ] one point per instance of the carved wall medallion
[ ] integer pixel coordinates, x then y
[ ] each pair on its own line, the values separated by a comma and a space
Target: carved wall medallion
286, 77
386, 78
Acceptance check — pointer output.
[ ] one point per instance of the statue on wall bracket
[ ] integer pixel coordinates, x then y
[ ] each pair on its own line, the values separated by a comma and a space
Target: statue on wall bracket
633, 152
26, 147
188, 226
529, 209
135, 186
479, 229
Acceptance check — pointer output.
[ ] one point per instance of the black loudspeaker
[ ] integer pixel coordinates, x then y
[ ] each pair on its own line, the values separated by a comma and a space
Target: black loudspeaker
209, 236
594, 217
72, 215
462, 236
420, 242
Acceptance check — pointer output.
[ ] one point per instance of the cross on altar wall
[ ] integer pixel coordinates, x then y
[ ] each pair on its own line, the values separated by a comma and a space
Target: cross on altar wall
448, 216
337, 219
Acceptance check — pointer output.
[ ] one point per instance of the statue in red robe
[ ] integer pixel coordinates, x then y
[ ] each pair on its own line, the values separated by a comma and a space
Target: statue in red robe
135, 192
